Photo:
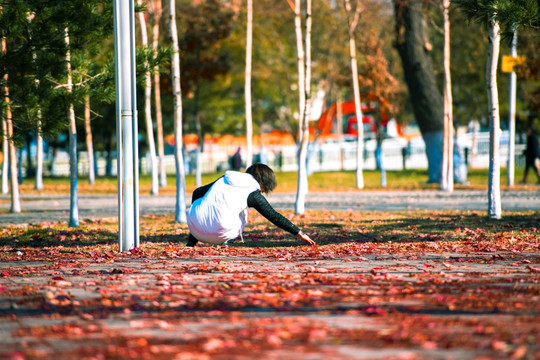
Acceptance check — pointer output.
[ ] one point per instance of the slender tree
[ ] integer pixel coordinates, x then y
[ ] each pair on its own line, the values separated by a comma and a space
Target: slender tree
352, 20
512, 116
73, 168
447, 176
154, 189
303, 48
38, 185
89, 140
157, 13
494, 191
14, 182
5, 158
511, 15
180, 211
247, 86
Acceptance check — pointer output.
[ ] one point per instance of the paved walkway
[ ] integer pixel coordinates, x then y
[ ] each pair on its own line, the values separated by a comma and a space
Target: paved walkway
54, 208
188, 305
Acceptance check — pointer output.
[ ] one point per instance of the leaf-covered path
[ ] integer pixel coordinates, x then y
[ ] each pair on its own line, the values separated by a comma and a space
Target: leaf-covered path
412, 285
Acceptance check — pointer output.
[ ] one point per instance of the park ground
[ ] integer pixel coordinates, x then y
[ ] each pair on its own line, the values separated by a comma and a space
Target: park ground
408, 284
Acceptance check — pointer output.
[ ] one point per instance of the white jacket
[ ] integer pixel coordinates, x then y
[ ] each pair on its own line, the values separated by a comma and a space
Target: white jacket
221, 214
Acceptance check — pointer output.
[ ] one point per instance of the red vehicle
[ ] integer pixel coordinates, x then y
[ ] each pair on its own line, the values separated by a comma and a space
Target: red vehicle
327, 125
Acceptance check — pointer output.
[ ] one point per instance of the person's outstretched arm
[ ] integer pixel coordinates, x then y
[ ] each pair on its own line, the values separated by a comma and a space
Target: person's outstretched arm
257, 201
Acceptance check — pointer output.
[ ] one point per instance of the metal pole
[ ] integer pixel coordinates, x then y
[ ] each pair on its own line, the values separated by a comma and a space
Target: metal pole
126, 133
135, 124
512, 116
119, 135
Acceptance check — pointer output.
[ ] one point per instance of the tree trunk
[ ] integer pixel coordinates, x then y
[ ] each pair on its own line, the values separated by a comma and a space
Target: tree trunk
157, 96
148, 111
512, 117
426, 100
180, 213
304, 85
339, 122
14, 182
74, 191
494, 191
198, 129
447, 176
89, 141
474, 141
30, 171
200, 140
352, 22
5, 153
12, 151
247, 86
19, 166
38, 185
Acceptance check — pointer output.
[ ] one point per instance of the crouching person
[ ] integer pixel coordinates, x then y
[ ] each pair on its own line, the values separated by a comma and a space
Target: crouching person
218, 212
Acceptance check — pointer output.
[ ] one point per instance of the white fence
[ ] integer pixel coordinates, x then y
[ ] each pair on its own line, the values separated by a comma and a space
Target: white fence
330, 156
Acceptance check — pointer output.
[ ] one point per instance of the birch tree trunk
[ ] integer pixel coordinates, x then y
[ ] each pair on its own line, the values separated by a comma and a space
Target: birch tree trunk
512, 116
89, 141
38, 185
148, 110
353, 22
5, 152
247, 86
157, 95
339, 121
14, 181
180, 211
494, 191
5, 136
474, 141
304, 85
198, 130
447, 176
74, 191
12, 151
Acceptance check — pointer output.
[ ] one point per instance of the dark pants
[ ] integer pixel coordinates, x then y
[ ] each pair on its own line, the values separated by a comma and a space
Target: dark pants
530, 163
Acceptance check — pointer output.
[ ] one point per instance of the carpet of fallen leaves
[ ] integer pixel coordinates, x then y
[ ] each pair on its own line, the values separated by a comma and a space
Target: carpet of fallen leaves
400, 285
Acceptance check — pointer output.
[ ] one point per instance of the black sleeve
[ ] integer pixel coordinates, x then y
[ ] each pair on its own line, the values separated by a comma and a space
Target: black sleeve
257, 201
201, 191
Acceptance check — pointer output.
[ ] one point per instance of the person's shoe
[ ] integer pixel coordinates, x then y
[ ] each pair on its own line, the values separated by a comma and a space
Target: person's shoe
192, 241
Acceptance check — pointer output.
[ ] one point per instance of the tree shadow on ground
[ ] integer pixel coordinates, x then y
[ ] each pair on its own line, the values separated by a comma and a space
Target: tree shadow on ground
399, 228
343, 227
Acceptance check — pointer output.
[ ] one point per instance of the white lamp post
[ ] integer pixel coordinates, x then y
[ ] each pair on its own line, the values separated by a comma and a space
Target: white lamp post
126, 125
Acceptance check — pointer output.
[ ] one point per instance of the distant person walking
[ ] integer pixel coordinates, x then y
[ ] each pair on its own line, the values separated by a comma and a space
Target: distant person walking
236, 161
218, 213
531, 152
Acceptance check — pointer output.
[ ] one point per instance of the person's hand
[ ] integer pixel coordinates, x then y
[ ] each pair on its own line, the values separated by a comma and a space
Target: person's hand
306, 239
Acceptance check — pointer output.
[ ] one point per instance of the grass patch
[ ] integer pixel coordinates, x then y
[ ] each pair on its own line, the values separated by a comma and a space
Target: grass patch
287, 182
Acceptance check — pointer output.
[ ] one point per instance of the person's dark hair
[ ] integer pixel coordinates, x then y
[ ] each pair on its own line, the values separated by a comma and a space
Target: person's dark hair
264, 176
